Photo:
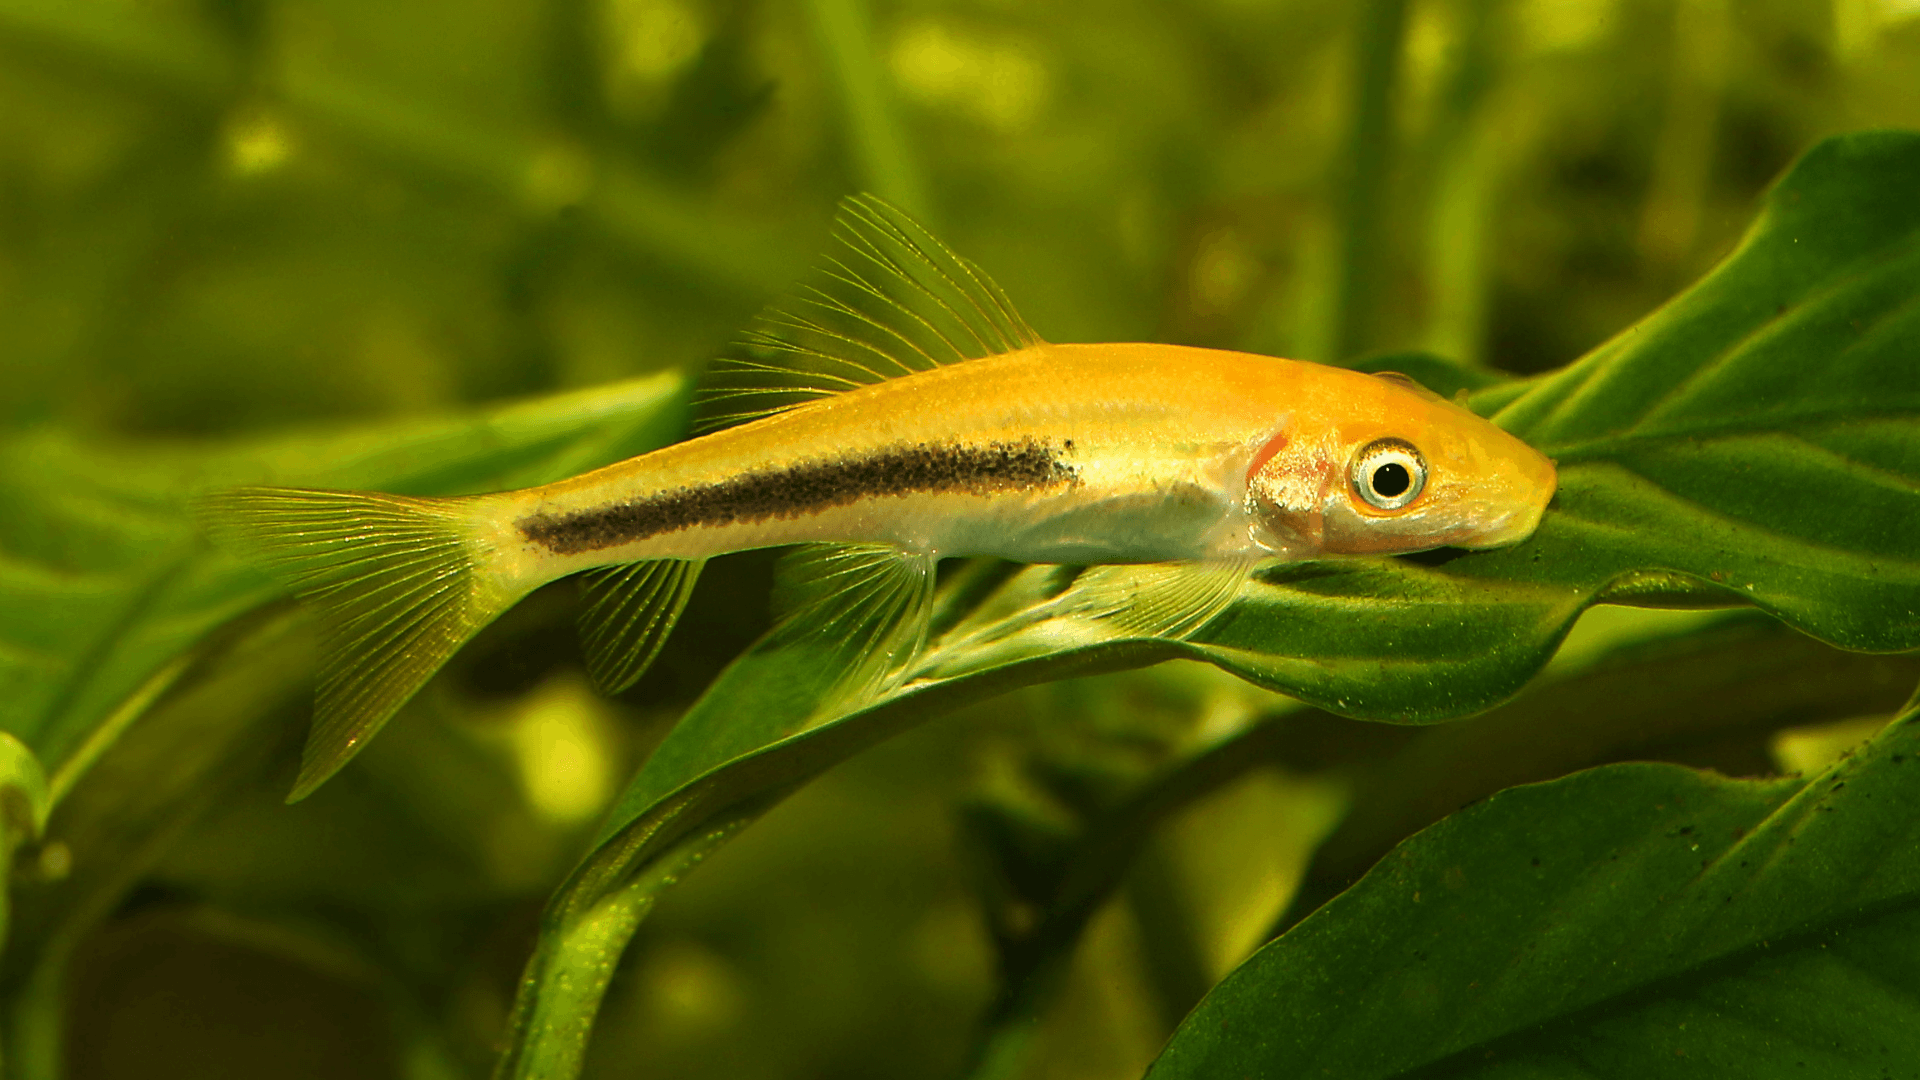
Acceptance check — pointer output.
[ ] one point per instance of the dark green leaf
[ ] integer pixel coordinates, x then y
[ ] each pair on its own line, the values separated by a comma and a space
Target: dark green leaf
1632, 920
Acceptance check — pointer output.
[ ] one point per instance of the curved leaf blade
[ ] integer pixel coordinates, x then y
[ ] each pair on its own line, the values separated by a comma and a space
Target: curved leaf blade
1622, 921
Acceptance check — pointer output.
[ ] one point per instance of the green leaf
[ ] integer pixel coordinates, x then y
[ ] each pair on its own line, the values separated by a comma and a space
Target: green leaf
1701, 693
24, 800
1632, 920
106, 592
24, 804
1754, 441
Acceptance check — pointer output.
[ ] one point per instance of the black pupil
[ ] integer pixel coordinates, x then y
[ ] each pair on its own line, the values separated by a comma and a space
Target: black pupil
1391, 480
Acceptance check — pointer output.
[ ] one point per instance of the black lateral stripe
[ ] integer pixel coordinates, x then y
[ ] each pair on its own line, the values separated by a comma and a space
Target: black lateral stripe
808, 488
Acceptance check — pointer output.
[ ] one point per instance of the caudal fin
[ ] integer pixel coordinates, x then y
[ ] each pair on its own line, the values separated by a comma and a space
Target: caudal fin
395, 583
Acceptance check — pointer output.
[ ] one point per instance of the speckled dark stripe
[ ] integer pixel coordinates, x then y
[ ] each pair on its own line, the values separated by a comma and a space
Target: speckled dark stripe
808, 488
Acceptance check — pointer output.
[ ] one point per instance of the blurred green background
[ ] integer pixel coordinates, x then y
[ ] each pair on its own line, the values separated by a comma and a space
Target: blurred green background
222, 218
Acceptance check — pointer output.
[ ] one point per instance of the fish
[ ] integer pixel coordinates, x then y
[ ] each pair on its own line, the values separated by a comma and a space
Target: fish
892, 411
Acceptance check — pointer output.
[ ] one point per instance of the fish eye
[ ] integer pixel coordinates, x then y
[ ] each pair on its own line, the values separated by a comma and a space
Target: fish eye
1389, 474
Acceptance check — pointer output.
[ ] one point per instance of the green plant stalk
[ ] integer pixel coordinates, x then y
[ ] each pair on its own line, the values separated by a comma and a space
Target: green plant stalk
1361, 185
1463, 147
587, 951
25, 802
109, 730
1683, 158
647, 847
34, 1024
1457, 249
584, 934
882, 153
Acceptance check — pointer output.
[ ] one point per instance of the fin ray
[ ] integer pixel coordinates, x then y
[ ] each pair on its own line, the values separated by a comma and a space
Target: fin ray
944, 264
891, 300
864, 608
627, 614
1163, 600
395, 586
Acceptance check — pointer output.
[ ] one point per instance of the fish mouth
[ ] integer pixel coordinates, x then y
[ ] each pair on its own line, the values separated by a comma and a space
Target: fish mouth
1515, 525
1535, 485
1510, 529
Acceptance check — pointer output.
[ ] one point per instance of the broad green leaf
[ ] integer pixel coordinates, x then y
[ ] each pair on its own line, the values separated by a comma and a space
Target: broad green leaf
1633, 920
1756, 441
1702, 695
106, 591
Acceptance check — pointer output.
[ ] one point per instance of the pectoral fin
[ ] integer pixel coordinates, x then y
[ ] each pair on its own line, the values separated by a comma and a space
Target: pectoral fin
1169, 601
1162, 600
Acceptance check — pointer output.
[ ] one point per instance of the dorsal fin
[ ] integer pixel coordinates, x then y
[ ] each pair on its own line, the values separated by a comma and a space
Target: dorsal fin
888, 300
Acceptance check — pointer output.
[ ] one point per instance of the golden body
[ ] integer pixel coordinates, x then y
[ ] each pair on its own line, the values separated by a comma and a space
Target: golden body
1152, 453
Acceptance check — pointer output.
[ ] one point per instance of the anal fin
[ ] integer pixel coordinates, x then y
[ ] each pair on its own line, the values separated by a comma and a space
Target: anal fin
627, 613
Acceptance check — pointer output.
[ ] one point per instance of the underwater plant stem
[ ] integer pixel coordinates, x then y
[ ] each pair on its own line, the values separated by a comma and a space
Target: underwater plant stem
1683, 159
1361, 176
1171, 951
883, 160
1034, 966
1462, 152
35, 1027
572, 973
589, 924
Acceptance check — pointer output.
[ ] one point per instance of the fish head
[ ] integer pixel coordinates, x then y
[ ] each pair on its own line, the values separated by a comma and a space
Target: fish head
1391, 467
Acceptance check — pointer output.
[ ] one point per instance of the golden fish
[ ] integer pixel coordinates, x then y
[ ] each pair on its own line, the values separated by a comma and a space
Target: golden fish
898, 403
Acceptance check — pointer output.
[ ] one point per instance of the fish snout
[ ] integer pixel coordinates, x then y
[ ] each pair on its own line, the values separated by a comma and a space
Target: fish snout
1529, 492
1510, 528
1529, 489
